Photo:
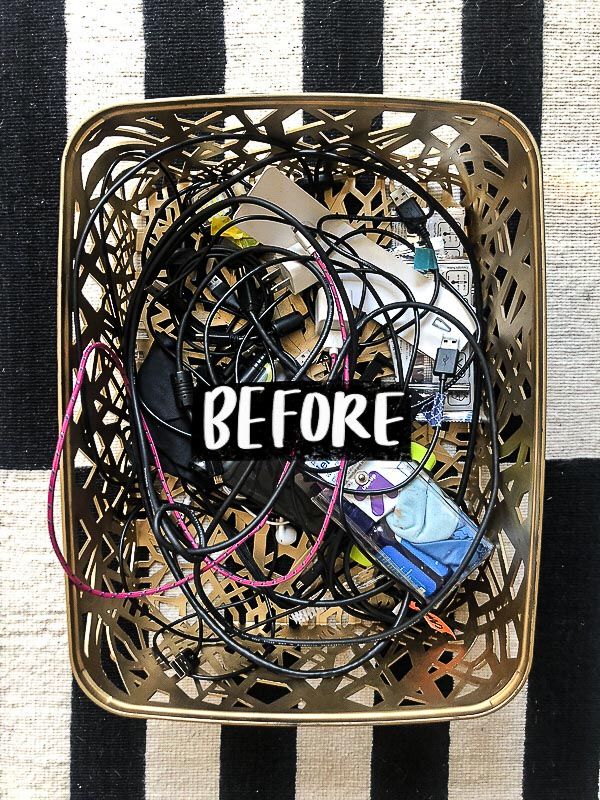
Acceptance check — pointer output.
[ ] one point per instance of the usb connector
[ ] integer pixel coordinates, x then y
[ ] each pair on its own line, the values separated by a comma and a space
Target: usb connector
295, 275
446, 358
409, 211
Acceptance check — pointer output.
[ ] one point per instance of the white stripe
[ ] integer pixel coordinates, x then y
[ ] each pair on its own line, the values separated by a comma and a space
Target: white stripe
486, 754
182, 760
105, 55
335, 764
35, 675
570, 135
263, 42
422, 53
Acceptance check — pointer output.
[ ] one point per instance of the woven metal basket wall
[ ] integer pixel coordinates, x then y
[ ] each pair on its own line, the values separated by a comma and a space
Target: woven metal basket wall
491, 158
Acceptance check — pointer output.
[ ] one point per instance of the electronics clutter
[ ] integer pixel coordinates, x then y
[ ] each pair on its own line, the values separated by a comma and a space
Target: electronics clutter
271, 284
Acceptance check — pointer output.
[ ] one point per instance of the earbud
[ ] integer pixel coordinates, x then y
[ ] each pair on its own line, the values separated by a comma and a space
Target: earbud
286, 534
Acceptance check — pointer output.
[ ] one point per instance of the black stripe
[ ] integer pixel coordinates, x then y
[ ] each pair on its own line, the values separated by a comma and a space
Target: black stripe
257, 763
185, 47
410, 761
343, 49
562, 741
502, 45
108, 753
343, 46
34, 127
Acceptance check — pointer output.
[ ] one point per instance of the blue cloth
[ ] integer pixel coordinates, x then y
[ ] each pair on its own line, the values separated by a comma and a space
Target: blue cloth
423, 514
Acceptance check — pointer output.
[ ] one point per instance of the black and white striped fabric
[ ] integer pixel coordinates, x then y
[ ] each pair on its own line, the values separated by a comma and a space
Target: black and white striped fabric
62, 59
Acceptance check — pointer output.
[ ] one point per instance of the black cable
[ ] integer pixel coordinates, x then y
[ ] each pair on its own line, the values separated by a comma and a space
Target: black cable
216, 354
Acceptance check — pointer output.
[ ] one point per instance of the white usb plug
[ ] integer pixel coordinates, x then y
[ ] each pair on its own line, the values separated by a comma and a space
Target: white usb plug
399, 194
295, 275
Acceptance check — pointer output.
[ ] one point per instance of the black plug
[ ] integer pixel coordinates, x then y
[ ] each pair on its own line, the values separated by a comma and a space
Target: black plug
215, 470
250, 296
321, 182
409, 212
446, 358
288, 323
185, 663
219, 288
183, 389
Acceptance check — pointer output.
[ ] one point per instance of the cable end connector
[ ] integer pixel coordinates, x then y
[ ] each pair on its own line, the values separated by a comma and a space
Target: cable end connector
446, 358
294, 274
185, 663
409, 211
183, 389
215, 470
399, 195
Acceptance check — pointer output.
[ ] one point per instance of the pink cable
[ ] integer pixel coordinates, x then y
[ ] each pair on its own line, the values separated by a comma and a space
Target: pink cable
210, 563
340, 311
75, 580
336, 490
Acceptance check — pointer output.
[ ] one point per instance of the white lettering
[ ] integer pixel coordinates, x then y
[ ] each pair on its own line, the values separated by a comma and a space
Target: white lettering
381, 421
216, 422
279, 414
245, 420
323, 417
346, 410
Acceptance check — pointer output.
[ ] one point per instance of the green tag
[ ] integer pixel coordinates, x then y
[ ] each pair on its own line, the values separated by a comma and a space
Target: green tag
425, 260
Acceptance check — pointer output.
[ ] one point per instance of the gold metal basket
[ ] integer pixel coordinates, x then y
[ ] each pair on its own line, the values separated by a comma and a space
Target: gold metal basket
478, 152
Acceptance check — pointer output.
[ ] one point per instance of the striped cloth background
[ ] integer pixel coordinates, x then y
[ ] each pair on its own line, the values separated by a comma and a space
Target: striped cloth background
64, 58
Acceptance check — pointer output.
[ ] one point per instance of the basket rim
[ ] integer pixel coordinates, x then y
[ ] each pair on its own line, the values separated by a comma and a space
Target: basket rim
401, 716
385, 102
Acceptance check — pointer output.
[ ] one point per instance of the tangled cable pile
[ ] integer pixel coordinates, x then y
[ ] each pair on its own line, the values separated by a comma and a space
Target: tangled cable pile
213, 306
